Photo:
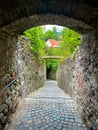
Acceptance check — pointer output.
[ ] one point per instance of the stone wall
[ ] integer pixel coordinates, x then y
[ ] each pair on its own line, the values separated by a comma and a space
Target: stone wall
86, 80
51, 75
82, 78
65, 76
19, 64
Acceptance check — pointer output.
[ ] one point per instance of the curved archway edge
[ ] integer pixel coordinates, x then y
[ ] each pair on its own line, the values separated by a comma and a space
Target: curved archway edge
25, 23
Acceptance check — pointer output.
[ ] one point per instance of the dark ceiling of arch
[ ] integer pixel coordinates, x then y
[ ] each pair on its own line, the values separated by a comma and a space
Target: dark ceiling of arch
83, 10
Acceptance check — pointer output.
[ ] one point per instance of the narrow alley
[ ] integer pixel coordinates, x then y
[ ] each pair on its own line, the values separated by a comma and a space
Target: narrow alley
49, 108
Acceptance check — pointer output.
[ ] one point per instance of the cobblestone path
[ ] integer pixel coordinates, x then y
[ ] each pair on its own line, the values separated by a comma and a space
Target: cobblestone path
47, 109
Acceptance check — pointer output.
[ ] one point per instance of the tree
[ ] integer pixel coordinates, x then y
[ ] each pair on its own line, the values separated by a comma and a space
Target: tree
68, 47
37, 43
70, 42
51, 35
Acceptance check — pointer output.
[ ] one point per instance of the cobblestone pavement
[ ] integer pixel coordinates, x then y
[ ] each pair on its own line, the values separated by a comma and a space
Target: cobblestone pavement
48, 109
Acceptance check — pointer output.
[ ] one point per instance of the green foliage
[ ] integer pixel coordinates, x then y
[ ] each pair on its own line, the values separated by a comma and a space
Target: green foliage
74, 53
70, 41
68, 47
36, 37
52, 64
51, 35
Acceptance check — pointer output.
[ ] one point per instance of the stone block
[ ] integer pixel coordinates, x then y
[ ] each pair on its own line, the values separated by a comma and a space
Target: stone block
1, 117
8, 100
2, 107
1, 126
5, 119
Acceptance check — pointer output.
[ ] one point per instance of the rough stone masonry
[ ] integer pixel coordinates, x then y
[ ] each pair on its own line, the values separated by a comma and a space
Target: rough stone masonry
86, 80
20, 64
79, 78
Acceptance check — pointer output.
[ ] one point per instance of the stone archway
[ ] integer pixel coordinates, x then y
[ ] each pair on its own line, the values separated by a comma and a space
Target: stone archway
83, 10
80, 15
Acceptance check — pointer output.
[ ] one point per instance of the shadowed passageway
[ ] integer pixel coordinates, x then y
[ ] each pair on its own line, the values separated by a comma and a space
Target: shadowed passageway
18, 16
49, 108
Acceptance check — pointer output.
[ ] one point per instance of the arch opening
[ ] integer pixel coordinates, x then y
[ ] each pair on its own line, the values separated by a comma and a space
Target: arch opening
52, 42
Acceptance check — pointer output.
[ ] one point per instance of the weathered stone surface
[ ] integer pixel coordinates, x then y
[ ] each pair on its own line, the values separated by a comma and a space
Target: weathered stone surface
73, 10
3, 107
5, 120
65, 75
51, 75
1, 117
84, 80
1, 127
31, 76
6, 111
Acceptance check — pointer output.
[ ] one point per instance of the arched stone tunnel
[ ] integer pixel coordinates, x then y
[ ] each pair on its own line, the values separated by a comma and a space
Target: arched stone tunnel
18, 16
